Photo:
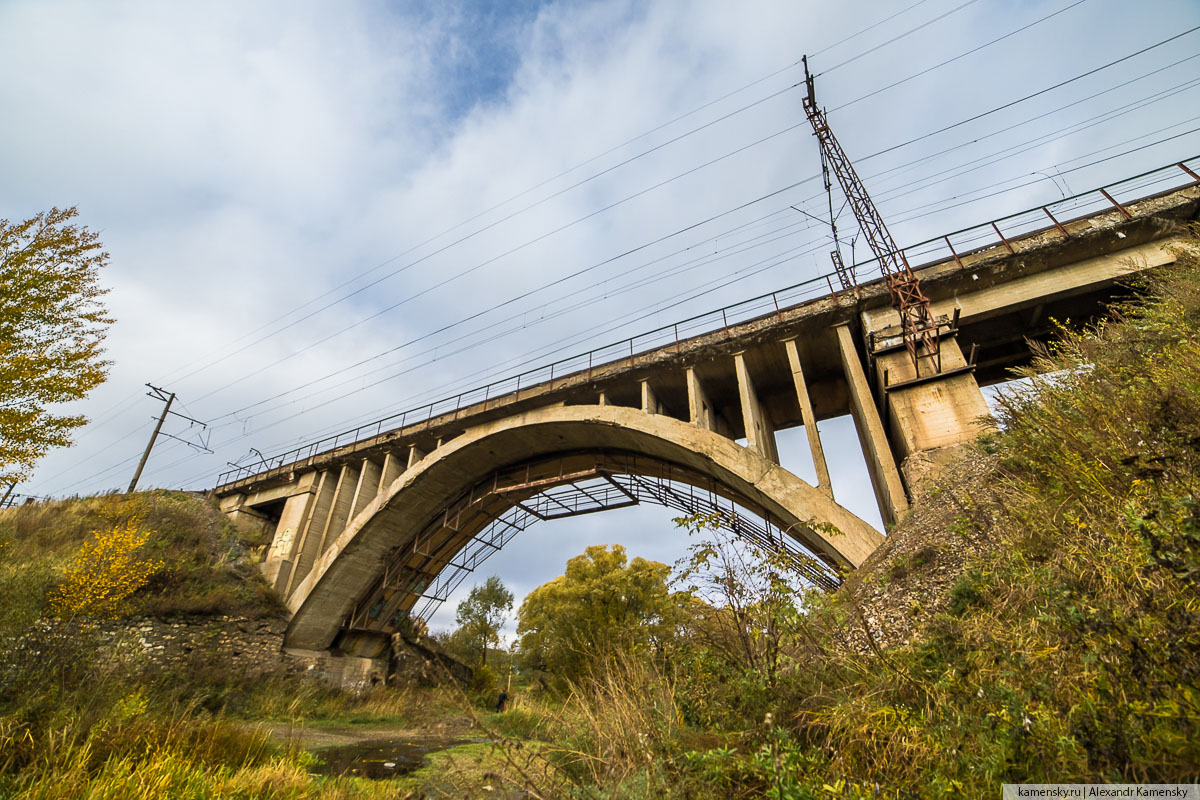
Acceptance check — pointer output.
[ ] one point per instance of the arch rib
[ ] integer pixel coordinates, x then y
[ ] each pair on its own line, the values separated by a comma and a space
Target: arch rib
357, 559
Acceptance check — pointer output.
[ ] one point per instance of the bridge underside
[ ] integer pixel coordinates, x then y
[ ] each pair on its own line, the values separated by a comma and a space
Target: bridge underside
481, 520
370, 532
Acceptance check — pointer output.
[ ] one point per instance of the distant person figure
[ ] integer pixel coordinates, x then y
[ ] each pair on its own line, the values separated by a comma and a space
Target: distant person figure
503, 702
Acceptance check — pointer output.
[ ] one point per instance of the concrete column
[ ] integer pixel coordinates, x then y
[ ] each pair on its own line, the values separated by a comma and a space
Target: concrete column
415, 454
281, 556
368, 486
604, 399
760, 435
343, 498
881, 464
650, 402
810, 419
393, 466
310, 533
930, 416
700, 407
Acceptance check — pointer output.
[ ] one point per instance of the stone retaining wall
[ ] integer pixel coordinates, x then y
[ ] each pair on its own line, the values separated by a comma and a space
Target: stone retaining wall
242, 646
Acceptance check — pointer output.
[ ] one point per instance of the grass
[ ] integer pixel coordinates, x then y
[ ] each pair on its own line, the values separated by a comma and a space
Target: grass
79, 718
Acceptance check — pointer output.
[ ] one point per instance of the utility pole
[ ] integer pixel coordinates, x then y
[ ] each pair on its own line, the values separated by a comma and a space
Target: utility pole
920, 330
158, 394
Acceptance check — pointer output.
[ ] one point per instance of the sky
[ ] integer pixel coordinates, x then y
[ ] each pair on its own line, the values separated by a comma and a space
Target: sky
320, 214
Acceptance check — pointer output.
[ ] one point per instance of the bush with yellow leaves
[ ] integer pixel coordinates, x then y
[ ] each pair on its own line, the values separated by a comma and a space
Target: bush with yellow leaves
109, 568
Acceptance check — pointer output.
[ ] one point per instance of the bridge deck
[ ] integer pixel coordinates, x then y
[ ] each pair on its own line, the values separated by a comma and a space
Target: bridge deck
1007, 292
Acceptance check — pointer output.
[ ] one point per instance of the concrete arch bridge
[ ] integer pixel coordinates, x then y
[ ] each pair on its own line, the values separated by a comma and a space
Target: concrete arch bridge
377, 525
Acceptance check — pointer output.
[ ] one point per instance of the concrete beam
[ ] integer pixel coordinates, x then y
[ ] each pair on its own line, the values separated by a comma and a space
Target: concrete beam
369, 476
393, 465
650, 402
307, 548
276, 493
700, 407
760, 434
1039, 288
810, 419
343, 498
415, 454
234, 506
281, 555
881, 464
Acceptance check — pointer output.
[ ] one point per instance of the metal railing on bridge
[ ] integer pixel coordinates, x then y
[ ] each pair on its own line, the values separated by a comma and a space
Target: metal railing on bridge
955, 245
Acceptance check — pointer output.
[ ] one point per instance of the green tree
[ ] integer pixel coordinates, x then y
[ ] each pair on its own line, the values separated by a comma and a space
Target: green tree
602, 604
52, 327
748, 609
481, 616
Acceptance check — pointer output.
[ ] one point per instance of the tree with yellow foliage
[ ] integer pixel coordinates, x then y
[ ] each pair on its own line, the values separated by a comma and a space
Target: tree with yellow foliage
109, 568
52, 327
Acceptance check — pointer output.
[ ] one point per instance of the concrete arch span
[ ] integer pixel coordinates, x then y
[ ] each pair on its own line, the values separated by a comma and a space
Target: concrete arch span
358, 558
485, 517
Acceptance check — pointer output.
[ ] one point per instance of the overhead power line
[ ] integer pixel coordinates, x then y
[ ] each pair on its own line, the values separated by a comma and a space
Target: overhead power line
658, 185
624, 254
1027, 97
226, 353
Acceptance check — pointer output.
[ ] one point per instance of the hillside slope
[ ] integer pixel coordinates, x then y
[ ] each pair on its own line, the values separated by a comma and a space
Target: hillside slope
1036, 618
207, 564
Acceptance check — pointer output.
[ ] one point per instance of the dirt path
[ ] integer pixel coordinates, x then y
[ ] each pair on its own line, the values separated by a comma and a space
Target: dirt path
312, 737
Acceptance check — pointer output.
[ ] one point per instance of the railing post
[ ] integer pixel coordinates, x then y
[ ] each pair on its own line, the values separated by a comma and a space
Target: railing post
1117, 205
953, 252
996, 228
1057, 224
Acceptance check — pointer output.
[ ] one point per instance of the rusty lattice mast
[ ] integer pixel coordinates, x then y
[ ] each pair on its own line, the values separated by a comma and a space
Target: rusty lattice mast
919, 329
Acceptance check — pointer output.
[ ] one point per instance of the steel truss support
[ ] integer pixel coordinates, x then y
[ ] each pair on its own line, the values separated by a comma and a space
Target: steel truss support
474, 527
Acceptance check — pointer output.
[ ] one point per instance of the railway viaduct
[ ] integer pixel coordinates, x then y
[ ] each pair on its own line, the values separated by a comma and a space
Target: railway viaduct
379, 524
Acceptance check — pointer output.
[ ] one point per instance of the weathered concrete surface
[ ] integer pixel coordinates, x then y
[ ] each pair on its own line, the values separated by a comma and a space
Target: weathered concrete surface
355, 559
881, 464
931, 415
1025, 289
